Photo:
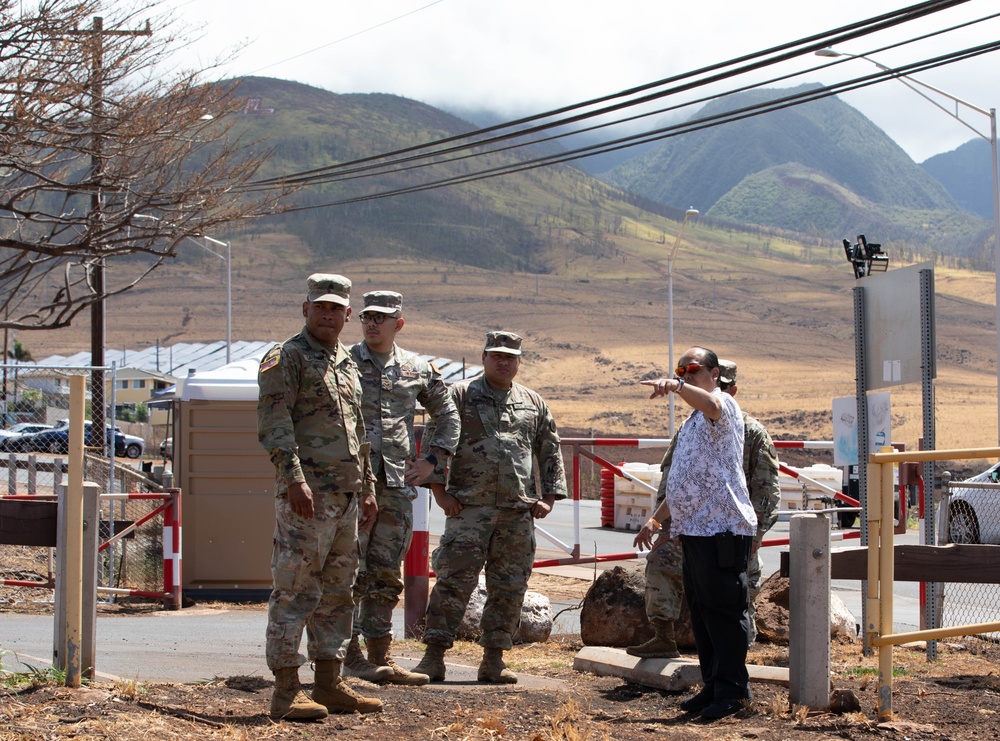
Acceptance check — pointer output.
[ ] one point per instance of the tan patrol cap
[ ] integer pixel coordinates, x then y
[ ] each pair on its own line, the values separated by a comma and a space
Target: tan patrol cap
506, 342
384, 302
727, 372
329, 287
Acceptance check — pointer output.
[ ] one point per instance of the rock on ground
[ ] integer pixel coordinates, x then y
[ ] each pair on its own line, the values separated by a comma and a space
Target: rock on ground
536, 617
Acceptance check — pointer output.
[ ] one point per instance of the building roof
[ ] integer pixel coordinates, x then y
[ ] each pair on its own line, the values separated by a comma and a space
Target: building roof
199, 369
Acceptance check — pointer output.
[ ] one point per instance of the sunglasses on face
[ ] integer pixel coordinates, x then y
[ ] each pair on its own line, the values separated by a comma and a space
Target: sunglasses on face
692, 368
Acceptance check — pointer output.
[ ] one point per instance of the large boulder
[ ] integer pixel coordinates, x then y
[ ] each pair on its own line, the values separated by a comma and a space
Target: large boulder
773, 613
536, 617
614, 610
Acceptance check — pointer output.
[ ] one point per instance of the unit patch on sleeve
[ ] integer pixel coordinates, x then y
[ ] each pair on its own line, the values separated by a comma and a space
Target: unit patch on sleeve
271, 359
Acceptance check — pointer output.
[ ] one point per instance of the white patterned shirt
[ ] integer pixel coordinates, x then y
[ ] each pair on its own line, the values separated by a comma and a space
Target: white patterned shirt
706, 487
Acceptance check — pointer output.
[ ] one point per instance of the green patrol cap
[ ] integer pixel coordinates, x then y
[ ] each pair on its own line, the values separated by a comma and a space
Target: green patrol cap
383, 302
507, 342
329, 287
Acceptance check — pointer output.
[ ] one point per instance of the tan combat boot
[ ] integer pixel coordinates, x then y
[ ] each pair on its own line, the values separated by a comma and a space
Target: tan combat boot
432, 665
289, 702
378, 654
661, 646
493, 670
356, 665
336, 695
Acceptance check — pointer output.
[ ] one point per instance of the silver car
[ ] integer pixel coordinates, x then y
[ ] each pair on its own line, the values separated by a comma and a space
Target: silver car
972, 514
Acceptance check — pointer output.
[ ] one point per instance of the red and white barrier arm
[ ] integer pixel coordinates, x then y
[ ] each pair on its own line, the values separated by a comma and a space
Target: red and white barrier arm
618, 442
835, 535
416, 567
835, 493
805, 444
618, 471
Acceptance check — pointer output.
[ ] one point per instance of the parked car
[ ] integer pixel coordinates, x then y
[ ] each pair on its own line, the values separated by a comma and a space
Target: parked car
130, 446
56, 440
167, 449
972, 515
11, 438
134, 445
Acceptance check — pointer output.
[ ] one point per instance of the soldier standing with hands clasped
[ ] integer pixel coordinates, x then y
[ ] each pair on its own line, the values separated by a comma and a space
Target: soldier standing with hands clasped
491, 502
393, 381
309, 421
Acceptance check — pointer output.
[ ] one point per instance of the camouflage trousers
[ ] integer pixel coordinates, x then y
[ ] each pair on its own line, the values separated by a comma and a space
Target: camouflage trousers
313, 565
664, 581
753, 581
380, 578
503, 540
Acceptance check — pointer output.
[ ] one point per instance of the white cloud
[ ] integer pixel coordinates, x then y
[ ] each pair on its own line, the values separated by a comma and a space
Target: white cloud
522, 56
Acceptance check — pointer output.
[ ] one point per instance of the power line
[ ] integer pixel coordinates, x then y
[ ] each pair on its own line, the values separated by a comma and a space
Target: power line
691, 80
666, 132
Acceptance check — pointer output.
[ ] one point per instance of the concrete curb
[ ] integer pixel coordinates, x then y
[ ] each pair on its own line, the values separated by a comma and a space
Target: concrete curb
674, 675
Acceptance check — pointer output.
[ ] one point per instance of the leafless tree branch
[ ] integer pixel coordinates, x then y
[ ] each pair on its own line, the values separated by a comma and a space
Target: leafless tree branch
105, 157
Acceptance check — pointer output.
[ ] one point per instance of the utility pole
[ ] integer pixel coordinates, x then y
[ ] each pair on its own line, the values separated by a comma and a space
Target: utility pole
97, 309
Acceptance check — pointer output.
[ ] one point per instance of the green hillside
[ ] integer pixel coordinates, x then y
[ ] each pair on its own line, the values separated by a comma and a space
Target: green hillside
537, 221
817, 168
498, 223
791, 196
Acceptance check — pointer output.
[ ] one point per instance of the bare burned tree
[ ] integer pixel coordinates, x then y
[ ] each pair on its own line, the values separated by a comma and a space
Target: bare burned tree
105, 157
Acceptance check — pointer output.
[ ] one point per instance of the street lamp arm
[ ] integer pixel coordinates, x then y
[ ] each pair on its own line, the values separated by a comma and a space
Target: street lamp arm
911, 82
677, 241
209, 249
213, 241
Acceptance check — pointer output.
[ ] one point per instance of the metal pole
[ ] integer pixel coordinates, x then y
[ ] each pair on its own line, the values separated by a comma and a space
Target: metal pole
670, 308
229, 302
996, 243
670, 335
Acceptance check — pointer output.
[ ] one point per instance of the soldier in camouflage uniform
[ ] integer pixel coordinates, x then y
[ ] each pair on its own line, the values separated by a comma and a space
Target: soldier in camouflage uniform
664, 564
393, 382
490, 501
760, 465
309, 421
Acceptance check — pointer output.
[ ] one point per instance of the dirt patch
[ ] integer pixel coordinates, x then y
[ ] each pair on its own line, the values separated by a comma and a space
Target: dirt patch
955, 697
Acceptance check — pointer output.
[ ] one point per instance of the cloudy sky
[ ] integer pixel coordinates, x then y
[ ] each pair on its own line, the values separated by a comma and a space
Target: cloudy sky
526, 56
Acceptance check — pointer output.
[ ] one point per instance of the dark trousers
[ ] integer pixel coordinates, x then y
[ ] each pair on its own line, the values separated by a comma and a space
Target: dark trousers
715, 582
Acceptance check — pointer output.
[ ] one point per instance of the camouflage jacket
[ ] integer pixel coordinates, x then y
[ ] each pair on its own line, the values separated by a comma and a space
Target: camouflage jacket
309, 417
501, 433
389, 399
760, 466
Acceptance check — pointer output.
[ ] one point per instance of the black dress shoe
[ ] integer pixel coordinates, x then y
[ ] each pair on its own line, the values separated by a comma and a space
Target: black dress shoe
699, 702
721, 709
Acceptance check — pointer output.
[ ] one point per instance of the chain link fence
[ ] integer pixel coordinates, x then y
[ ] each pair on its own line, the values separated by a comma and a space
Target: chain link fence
970, 513
34, 448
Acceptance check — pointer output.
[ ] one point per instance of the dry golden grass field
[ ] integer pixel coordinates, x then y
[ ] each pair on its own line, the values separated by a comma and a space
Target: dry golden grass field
595, 326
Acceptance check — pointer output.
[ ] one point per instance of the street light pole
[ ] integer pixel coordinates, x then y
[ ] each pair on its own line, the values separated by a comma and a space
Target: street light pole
992, 139
228, 258
670, 306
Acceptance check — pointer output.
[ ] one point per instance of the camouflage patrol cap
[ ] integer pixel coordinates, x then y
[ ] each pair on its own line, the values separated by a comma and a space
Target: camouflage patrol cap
727, 372
506, 342
329, 287
383, 302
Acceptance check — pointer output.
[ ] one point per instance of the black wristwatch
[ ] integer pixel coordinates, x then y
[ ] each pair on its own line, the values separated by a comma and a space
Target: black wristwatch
432, 458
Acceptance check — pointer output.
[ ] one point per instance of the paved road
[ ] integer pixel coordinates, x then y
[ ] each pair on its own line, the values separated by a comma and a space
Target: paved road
198, 644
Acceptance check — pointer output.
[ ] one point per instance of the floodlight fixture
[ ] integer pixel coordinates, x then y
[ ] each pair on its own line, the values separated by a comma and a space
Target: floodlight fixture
866, 257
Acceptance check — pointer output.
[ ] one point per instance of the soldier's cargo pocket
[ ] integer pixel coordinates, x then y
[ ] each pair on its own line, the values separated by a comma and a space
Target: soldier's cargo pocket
286, 565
